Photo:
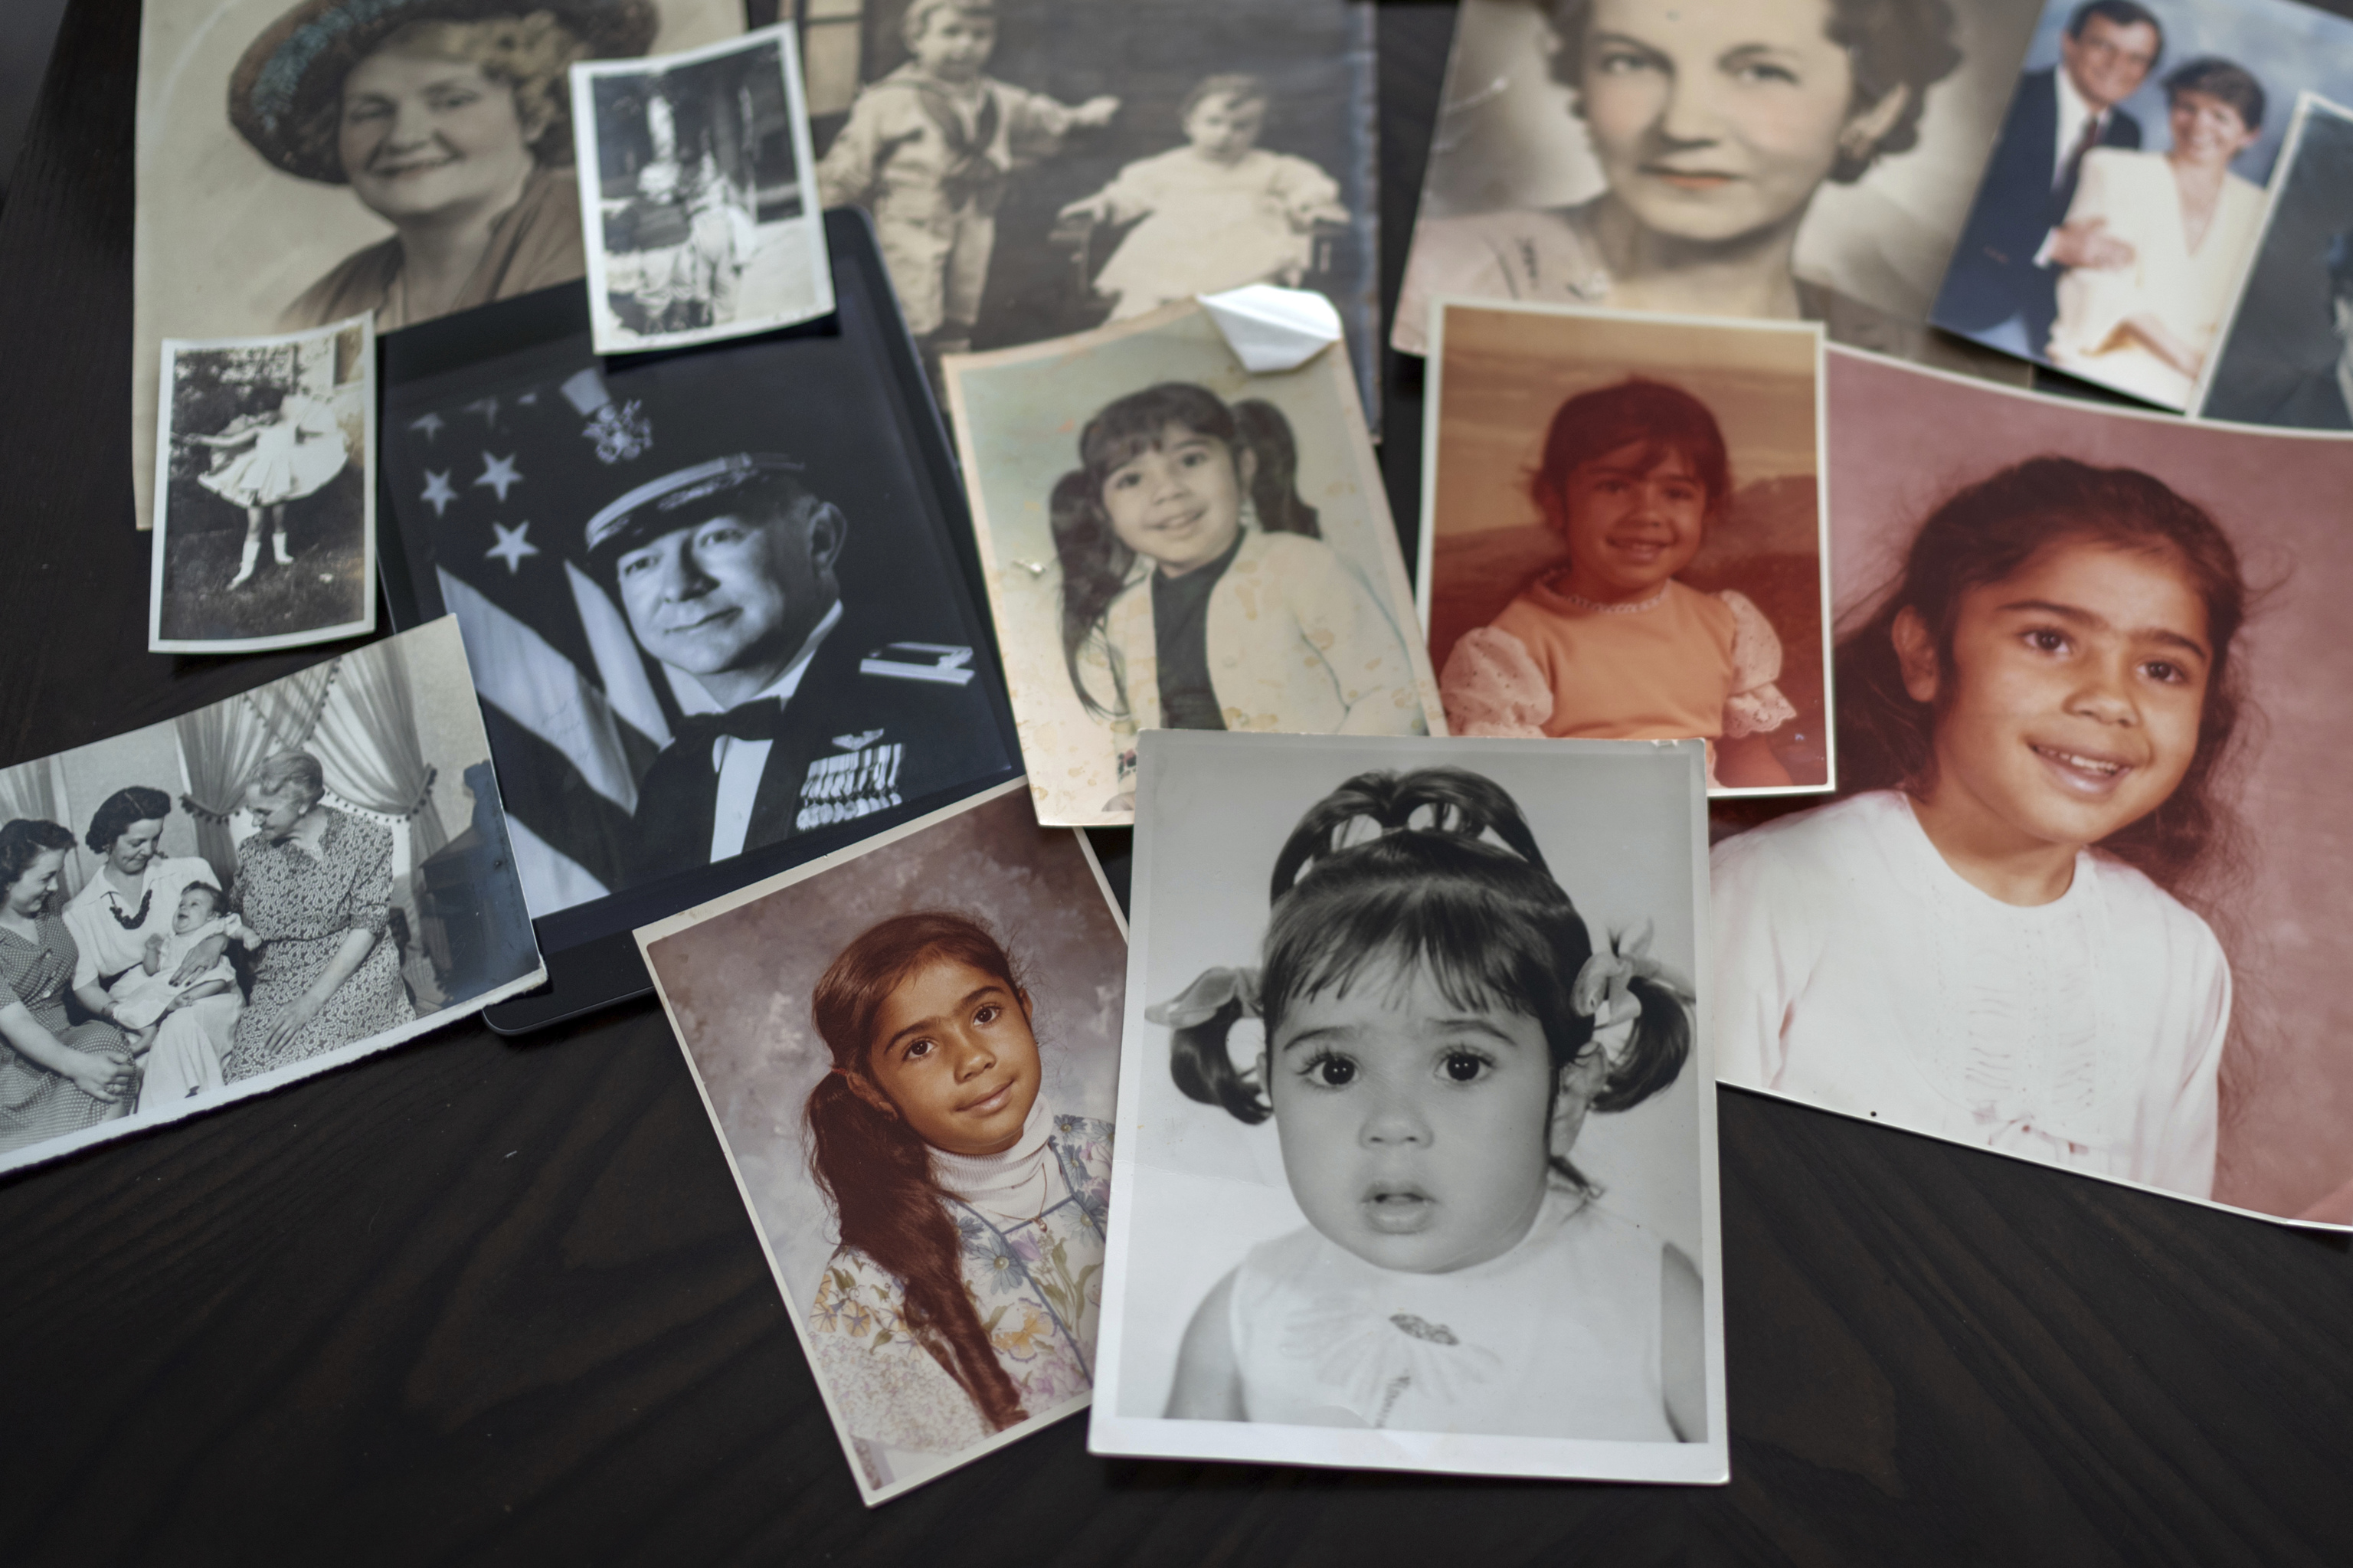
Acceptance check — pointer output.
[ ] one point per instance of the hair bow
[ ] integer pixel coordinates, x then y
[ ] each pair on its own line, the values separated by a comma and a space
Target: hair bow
1202, 1001
1604, 989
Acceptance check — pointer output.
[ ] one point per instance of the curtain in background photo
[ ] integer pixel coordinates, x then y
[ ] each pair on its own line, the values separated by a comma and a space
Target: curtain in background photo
366, 741
219, 748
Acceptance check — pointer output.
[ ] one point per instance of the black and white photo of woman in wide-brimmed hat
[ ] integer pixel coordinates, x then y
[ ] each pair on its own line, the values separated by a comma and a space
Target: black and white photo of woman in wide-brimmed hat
400, 158
266, 438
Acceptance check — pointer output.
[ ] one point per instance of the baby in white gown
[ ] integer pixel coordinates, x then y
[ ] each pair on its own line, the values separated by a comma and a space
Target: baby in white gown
151, 989
1217, 213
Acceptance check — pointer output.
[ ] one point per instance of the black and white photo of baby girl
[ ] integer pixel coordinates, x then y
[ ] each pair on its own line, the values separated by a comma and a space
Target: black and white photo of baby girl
1455, 989
264, 517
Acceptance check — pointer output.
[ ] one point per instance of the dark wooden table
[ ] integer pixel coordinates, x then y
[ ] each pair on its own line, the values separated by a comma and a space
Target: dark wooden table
483, 1300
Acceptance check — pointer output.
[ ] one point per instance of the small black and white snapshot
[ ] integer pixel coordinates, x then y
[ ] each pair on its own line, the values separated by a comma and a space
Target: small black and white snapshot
265, 493
1416, 1166
695, 197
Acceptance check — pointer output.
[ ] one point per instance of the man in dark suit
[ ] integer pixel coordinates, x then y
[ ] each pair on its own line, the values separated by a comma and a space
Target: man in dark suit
2008, 259
816, 712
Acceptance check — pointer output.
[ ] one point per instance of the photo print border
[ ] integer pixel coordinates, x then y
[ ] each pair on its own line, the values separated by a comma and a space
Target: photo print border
750, 1167
1665, 330
253, 477
804, 232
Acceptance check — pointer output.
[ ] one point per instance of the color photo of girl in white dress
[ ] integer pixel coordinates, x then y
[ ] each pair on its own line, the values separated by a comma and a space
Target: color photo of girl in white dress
1986, 944
1432, 1020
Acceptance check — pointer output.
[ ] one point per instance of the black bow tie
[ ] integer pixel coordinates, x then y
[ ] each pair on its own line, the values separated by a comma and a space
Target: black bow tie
754, 720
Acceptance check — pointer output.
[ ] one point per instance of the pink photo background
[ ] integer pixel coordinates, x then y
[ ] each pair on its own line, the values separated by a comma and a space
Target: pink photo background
739, 987
1901, 441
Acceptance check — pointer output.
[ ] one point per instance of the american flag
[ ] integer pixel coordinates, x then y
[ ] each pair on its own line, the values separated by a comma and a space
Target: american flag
501, 485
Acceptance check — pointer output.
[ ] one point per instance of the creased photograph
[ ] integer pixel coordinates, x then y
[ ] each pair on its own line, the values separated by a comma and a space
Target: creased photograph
908, 1050
1416, 1157
2091, 814
1037, 168
713, 604
1171, 540
253, 892
1625, 536
695, 194
402, 159
2286, 354
1798, 159
266, 439
2121, 206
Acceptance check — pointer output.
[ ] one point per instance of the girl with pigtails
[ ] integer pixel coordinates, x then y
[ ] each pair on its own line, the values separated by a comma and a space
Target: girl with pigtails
1439, 1022
1198, 592
964, 1296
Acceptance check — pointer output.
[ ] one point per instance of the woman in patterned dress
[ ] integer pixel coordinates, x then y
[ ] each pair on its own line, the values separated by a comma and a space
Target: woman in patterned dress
316, 886
55, 1078
964, 1297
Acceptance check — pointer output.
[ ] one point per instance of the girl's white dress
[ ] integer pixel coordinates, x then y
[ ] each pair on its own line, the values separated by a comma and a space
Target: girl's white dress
292, 456
1557, 1338
1032, 1223
2136, 195
1858, 971
1209, 227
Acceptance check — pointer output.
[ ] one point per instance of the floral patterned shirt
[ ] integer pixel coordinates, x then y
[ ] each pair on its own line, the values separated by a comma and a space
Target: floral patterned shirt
1037, 1284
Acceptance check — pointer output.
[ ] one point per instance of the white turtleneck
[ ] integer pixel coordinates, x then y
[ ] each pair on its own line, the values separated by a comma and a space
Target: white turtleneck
1013, 1186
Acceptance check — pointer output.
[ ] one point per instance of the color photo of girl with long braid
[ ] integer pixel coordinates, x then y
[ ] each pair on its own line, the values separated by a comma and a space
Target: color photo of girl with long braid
908, 1050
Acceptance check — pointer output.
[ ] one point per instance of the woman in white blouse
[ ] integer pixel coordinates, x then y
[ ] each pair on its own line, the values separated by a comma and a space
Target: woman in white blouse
2170, 234
130, 899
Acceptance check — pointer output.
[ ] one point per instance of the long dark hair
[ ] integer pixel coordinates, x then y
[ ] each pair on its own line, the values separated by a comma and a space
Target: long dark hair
877, 1171
1988, 532
1095, 565
1487, 922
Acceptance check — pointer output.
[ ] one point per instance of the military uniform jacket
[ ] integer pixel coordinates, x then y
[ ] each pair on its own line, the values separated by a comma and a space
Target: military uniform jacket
873, 724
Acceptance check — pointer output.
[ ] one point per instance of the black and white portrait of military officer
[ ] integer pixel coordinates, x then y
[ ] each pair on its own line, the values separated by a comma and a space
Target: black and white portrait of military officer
802, 710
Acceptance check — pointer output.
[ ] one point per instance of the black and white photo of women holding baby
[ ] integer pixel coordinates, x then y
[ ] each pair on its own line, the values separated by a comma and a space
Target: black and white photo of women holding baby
248, 893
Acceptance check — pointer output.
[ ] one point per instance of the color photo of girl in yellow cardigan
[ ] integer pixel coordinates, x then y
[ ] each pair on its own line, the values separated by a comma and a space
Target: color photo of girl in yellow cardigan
1198, 592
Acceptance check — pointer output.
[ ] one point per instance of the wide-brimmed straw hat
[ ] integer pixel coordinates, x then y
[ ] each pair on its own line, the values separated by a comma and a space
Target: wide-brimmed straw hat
286, 94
